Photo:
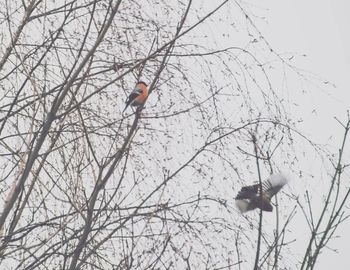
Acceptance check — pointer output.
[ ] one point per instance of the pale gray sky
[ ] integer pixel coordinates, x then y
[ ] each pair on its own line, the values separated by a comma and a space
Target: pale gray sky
319, 29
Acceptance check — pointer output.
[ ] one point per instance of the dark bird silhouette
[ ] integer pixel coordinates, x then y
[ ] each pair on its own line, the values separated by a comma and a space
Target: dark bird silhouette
250, 197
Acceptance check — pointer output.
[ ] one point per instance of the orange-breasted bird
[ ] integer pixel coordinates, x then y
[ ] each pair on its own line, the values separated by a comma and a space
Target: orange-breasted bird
250, 197
138, 95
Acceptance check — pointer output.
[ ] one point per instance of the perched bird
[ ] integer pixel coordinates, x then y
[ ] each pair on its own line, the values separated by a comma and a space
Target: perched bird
138, 95
250, 197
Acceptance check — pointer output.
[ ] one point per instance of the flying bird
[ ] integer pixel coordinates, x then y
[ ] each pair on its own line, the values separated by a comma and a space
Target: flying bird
250, 197
138, 95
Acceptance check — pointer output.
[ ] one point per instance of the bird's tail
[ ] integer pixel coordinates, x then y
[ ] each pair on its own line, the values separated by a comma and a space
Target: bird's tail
127, 104
124, 108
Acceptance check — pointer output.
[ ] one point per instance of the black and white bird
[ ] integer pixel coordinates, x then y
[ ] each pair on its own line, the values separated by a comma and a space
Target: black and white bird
250, 197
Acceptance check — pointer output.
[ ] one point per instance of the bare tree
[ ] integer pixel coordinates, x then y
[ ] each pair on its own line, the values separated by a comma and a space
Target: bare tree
85, 186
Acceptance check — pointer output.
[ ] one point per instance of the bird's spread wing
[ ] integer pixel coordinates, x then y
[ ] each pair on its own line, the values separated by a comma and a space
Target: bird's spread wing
269, 187
248, 192
274, 184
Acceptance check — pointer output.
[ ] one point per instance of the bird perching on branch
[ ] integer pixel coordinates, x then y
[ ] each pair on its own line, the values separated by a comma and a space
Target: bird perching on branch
138, 96
250, 197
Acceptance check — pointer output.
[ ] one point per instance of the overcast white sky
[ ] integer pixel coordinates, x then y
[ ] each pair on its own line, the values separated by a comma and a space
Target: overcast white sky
320, 29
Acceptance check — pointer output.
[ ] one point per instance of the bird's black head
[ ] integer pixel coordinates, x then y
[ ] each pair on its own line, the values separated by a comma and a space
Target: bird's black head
142, 82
